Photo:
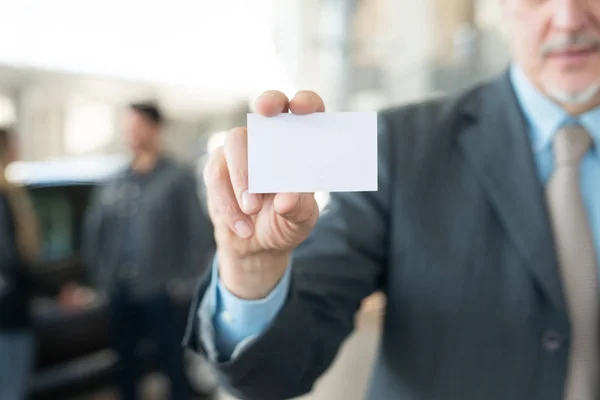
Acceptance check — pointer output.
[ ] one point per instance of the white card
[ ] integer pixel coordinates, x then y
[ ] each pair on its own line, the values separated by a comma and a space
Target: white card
321, 152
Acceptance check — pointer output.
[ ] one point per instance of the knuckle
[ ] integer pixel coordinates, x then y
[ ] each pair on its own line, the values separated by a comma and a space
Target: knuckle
239, 176
233, 135
216, 169
238, 170
227, 211
212, 209
234, 141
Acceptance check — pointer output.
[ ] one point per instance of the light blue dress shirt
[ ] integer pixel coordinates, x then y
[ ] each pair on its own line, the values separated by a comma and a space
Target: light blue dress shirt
236, 322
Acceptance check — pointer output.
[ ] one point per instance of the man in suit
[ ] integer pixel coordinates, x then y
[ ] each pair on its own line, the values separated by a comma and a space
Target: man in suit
144, 230
483, 235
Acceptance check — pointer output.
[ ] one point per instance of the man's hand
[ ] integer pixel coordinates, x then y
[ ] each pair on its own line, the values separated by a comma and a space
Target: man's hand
256, 233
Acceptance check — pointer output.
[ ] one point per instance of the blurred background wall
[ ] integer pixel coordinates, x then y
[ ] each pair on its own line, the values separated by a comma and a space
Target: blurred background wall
68, 67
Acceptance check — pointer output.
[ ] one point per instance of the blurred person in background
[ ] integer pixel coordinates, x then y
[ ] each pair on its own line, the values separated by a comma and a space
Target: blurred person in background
484, 235
144, 230
19, 247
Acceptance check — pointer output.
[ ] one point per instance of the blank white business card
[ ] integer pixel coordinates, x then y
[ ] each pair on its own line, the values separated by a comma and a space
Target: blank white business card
321, 152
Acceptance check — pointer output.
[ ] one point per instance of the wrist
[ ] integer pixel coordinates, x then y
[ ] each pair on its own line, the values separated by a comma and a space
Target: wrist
251, 277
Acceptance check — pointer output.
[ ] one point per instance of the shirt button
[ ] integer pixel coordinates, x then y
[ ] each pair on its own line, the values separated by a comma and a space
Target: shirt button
551, 340
226, 317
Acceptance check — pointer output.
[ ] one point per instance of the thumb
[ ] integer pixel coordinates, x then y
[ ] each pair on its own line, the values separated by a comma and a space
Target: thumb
297, 208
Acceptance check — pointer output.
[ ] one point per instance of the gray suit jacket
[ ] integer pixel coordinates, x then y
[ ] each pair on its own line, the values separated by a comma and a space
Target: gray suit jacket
458, 238
175, 235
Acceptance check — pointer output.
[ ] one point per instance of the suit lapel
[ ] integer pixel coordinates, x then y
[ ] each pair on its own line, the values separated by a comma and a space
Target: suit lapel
499, 148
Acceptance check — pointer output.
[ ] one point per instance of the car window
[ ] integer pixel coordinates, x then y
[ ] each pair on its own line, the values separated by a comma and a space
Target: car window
55, 215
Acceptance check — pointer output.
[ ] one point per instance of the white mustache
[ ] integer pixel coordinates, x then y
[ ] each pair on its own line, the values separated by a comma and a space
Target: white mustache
565, 43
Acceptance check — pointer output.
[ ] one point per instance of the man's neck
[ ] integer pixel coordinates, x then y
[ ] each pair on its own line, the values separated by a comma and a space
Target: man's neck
145, 161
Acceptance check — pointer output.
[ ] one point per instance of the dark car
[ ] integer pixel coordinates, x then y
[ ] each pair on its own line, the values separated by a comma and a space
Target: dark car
73, 353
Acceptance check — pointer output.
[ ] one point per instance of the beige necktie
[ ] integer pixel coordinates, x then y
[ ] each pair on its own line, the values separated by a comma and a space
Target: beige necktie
577, 261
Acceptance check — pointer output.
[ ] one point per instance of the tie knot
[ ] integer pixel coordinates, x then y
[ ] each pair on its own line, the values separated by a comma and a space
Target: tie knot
570, 144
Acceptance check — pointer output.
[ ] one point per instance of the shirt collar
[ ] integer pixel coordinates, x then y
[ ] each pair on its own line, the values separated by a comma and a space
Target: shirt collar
591, 121
544, 116
160, 163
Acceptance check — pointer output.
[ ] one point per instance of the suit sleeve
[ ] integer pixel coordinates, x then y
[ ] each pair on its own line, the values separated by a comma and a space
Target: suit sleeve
341, 263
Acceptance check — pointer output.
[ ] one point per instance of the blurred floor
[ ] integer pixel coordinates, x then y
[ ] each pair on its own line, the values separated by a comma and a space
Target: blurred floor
347, 379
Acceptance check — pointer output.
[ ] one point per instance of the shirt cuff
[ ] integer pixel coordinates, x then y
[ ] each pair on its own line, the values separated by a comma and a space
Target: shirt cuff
236, 322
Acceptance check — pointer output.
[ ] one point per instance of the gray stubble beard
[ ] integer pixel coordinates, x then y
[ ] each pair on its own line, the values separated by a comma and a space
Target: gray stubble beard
572, 98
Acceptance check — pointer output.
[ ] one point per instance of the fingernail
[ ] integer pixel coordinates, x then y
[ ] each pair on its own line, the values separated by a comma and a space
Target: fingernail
267, 95
306, 94
249, 201
243, 229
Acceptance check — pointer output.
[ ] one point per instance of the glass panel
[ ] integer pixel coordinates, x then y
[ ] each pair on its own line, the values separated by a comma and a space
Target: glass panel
56, 223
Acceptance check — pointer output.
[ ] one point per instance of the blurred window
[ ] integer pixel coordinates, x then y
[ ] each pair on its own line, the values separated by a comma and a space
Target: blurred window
7, 111
56, 223
89, 126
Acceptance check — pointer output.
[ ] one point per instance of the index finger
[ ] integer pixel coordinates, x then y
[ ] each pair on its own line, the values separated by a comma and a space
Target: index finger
271, 103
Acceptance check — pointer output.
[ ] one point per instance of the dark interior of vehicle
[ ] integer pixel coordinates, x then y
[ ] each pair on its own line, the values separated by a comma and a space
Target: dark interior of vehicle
68, 341
60, 211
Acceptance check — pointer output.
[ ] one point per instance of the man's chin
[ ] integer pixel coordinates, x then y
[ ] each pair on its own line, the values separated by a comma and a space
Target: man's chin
572, 79
571, 89
573, 98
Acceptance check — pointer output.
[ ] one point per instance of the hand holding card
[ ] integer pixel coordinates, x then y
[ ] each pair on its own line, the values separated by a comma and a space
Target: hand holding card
256, 232
261, 184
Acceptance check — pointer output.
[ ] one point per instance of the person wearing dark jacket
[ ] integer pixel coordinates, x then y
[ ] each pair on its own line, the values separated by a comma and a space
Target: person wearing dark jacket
19, 247
143, 230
